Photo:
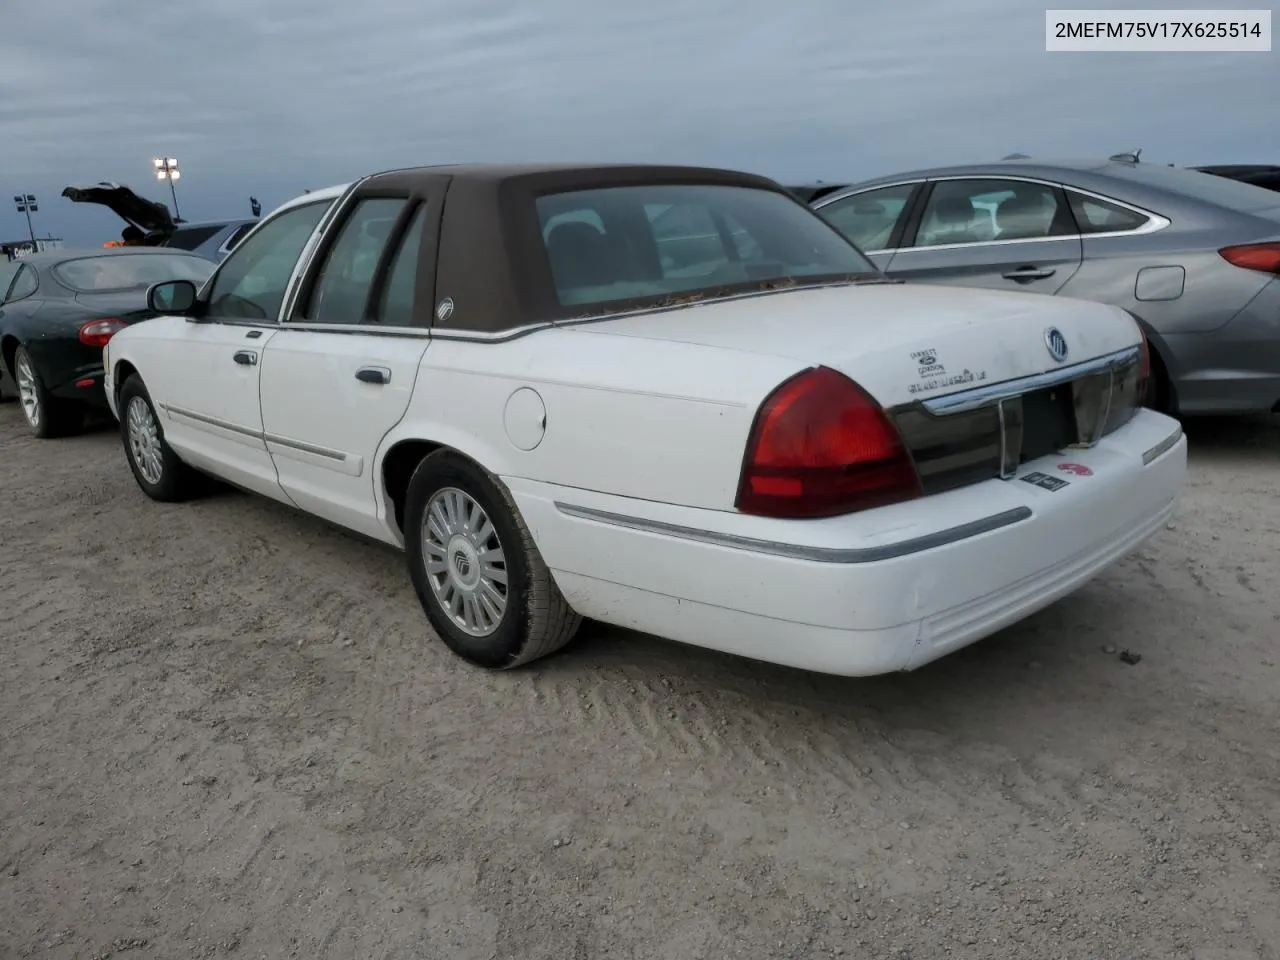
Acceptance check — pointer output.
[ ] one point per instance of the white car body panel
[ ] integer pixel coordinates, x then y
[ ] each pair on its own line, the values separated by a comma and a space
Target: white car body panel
621, 441
650, 419
870, 334
323, 426
209, 403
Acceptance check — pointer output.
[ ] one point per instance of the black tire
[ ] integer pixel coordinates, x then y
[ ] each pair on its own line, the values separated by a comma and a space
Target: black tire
1160, 396
176, 480
536, 620
49, 416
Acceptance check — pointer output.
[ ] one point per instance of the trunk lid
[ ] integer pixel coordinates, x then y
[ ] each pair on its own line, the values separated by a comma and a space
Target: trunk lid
129, 306
902, 343
149, 216
977, 382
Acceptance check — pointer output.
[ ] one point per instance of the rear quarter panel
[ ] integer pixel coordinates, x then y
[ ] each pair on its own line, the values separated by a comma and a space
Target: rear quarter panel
1175, 287
637, 418
49, 330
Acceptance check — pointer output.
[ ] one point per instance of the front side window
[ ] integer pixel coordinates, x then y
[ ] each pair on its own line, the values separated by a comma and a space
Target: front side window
616, 244
24, 284
1099, 216
8, 270
976, 211
255, 277
867, 219
130, 271
342, 286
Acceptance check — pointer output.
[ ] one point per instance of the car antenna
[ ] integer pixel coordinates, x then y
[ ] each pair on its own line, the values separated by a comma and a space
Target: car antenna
1126, 157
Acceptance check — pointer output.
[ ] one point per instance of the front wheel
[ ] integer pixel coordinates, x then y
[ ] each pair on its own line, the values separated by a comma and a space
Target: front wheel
477, 572
159, 472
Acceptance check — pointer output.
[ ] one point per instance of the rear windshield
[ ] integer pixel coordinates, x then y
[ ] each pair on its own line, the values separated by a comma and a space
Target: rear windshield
1206, 187
634, 243
130, 271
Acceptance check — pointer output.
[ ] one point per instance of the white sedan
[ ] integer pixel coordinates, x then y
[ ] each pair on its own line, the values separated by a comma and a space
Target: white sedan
671, 399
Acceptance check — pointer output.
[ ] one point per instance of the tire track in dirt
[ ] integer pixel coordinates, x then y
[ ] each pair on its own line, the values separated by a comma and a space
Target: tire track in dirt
218, 770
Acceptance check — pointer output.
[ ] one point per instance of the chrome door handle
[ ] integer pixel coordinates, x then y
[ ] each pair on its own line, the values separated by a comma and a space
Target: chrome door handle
377, 375
246, 358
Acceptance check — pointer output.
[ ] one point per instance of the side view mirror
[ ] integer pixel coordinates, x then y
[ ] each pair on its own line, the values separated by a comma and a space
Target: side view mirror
172, 296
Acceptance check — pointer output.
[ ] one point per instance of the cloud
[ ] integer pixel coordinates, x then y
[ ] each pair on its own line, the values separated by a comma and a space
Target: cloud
272, 98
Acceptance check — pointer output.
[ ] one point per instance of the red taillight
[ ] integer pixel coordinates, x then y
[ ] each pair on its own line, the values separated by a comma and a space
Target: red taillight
821, 446
96, 333
1254, 256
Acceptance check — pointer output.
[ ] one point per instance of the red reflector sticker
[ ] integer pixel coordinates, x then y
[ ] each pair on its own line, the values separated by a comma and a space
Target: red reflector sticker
1080, 470
88, 382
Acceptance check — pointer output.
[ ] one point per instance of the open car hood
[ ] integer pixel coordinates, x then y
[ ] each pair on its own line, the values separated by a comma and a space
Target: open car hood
147, 215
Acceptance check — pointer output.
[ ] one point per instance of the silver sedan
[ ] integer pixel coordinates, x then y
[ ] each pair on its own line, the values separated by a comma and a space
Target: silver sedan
1195, 257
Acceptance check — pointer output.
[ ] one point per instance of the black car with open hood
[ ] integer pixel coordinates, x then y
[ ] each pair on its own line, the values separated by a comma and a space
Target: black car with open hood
149, 216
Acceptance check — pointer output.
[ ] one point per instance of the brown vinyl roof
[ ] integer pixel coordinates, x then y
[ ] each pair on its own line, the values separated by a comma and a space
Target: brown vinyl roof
492, 262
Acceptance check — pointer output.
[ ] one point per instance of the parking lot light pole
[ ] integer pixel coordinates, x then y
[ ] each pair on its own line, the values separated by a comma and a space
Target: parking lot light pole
26, 203
167, 169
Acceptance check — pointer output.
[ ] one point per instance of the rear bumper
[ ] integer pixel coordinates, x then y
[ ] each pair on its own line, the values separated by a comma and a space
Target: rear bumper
86, 385
1236, 368
70, 370
889, 589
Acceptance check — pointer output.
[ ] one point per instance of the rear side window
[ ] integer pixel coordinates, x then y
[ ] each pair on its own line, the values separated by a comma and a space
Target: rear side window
1100, 216
978, 210
342, 287
395, 306
188, 238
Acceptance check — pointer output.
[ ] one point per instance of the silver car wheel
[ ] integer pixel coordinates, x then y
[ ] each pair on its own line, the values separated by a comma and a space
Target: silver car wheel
28, 395
144, 441
465, 563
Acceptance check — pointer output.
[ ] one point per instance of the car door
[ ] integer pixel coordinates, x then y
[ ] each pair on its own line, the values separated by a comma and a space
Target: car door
1002, 233
872, 220
339, 373
204, 374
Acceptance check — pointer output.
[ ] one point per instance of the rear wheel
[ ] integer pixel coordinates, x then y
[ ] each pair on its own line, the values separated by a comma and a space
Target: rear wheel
47, 416
159, 472
478, 574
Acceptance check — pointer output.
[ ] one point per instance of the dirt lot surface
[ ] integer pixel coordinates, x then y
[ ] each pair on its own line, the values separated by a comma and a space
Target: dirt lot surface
227, 731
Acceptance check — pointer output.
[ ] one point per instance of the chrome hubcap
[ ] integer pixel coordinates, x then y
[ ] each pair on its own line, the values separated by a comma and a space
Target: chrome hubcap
144, 440
466, 566
27, 394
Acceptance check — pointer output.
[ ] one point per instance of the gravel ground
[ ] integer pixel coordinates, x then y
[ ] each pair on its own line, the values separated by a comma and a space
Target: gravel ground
227, 731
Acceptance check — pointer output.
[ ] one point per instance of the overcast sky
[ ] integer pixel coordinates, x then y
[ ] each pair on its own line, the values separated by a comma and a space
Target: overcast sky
269, 97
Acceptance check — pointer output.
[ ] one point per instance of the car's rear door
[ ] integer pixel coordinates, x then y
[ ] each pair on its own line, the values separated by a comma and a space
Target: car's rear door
340, 370
994, 232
